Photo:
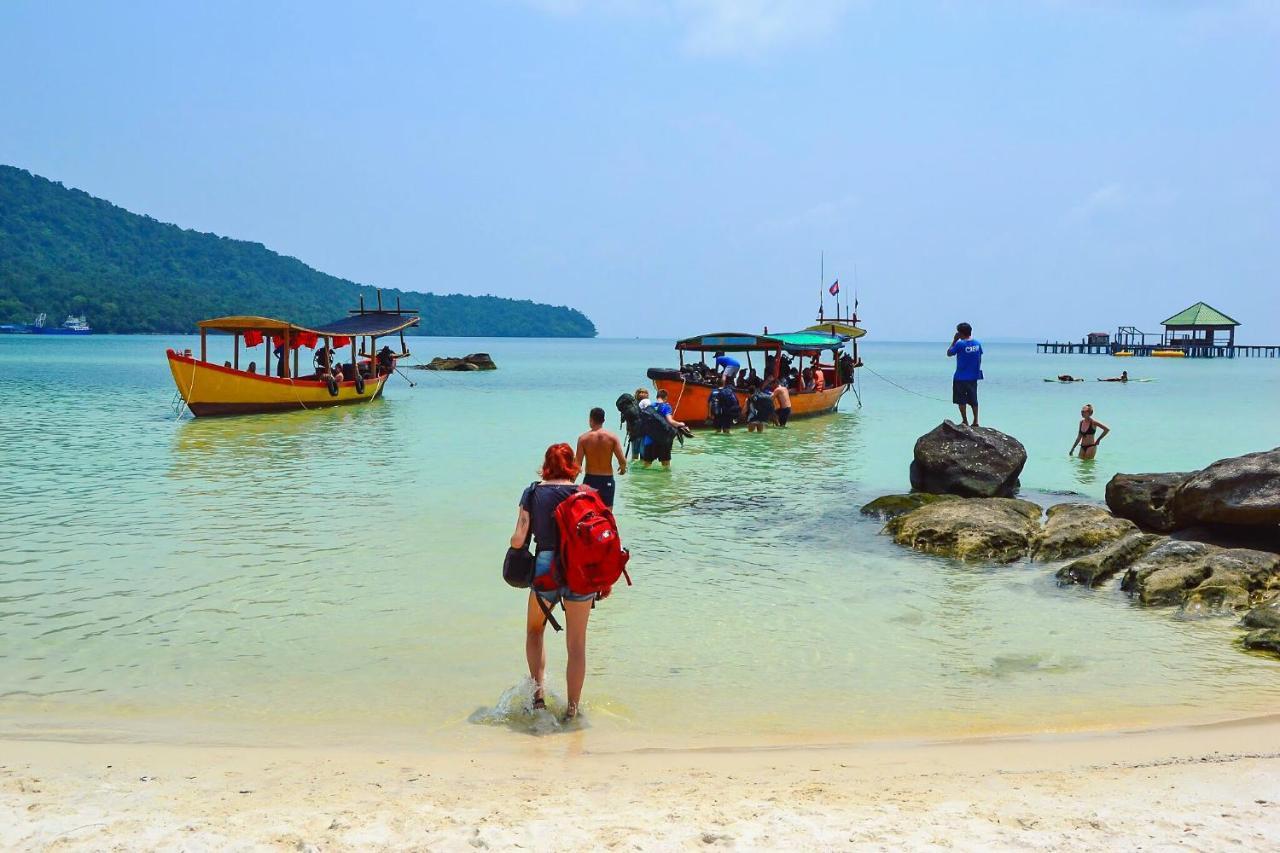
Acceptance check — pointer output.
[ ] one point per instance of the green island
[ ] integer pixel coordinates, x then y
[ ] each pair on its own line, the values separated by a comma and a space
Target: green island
63, 251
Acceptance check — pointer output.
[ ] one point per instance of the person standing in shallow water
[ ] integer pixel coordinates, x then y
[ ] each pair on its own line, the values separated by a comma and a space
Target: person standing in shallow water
964, 384
1087, 438
598, 448
538, 516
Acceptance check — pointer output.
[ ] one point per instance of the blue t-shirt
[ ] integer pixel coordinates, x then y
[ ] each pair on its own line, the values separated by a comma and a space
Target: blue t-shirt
968, 355
725, 361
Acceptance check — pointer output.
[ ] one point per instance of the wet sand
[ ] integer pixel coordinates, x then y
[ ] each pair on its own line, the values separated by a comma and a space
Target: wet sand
1203, 788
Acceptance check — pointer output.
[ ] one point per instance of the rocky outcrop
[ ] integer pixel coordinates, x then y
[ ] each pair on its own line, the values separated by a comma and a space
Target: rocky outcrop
1264, 640
1203, 578
1265, 615
1071, 530
1094, 569
1145, 499
997, 529
892, 506
1242, 490
967, 461
475, 361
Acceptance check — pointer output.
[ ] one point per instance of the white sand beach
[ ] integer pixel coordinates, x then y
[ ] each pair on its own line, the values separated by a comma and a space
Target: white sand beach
1209, 787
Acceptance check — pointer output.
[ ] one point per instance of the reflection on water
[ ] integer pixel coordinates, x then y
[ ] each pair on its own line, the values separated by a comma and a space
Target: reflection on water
340, 568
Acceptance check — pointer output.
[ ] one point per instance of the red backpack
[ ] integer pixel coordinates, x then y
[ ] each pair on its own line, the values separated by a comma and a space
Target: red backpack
591, 555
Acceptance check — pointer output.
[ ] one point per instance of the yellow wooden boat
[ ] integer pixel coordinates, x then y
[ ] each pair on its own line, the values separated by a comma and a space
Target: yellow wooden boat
1123, 354
208, 388
1168, 353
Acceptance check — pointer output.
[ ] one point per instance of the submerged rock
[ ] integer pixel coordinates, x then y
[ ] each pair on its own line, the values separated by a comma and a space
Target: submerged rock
1201, 577
998, 529
1264, 640
974, 462
1265, 615
1074, 529
1094, 569
1145, 499
892, 506
1240, 490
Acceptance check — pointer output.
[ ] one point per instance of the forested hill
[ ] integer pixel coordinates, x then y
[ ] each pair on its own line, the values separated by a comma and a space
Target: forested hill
62, 251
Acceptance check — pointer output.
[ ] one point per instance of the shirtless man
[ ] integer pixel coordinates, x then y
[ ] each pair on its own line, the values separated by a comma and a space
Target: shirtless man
599, 448
781, 404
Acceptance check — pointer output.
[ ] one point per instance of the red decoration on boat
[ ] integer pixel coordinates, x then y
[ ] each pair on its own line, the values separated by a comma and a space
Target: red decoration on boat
252, 338
341, 341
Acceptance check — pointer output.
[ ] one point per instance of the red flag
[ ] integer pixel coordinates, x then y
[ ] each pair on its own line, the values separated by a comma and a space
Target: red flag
834, 288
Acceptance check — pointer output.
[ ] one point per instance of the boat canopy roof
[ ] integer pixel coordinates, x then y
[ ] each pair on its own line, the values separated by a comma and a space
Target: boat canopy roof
363, 323
837, 327
800, 342
730, 342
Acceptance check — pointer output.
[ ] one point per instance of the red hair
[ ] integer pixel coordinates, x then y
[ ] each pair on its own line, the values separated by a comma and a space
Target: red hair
558, 463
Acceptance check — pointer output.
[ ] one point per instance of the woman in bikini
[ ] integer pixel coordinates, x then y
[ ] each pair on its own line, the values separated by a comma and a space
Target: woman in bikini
1087, 437
538, 516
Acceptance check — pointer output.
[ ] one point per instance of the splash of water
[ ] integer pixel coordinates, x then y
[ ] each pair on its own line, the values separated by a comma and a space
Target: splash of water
514, 709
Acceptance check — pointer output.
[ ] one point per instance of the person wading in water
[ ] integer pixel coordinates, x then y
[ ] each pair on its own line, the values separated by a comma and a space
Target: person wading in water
598, 448
538, 516
1087, 438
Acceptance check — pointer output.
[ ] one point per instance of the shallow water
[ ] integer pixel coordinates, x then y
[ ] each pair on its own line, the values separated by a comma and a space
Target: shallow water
266, 577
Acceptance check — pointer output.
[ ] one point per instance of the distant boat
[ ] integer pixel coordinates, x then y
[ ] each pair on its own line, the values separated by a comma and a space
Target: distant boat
73, 325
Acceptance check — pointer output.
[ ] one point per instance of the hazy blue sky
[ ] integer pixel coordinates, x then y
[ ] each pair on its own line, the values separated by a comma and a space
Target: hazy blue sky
1039, 168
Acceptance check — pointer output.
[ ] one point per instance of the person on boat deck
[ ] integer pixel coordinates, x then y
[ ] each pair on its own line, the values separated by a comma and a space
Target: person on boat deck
726, 366
964, 383
819, 377
537, 516
781, 404
753, 379
326, 362
386, 360
807, 379
1087, 438
280, 355
227, 364
598, 448
660, 451
253, 367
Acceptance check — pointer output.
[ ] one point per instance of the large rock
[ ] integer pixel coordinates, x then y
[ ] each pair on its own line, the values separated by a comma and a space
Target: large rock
1203, 578
1145, 499
1265, 615
1074, 529
475, 361
1264, 640
998, 529
1094, 569
973, 462
1240, 490
892, 506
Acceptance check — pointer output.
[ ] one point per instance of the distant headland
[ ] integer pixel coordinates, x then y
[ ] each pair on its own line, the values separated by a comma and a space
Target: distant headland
63, 251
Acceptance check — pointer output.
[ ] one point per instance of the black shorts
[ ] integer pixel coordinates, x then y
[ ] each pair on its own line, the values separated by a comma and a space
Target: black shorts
964, 392
655, 452
602, 483
723, 421
784, 415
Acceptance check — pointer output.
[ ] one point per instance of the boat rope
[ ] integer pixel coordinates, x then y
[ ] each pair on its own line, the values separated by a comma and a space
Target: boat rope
902, 387
853, 385
684, 381
185, 397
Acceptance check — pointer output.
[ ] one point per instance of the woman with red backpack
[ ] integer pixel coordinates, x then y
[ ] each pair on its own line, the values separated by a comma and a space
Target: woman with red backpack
537, 518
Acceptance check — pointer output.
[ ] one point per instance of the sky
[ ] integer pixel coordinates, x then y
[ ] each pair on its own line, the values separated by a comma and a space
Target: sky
1039, 168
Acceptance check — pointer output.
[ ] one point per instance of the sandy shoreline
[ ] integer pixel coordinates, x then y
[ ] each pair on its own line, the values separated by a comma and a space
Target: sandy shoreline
1203, 787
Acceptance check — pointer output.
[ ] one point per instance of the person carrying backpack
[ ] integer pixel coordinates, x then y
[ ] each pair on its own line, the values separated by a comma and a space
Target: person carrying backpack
725, 408
759, 408
537, 520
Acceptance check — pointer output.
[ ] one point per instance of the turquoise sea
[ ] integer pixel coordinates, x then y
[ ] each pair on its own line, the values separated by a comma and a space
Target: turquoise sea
334, 575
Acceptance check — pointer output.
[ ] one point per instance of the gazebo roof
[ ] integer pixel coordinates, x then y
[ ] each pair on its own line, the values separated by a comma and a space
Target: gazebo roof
1200, 314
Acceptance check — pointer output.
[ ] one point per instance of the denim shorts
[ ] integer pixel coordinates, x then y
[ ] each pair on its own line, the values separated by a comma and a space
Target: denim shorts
542, 567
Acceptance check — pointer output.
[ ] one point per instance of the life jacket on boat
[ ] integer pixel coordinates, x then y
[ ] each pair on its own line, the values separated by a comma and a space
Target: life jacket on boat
590, 553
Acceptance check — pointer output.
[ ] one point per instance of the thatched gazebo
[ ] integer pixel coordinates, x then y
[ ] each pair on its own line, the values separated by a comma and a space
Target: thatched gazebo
1200, 325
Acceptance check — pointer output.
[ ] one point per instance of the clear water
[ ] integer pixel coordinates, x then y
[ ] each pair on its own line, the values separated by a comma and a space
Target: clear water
270, 577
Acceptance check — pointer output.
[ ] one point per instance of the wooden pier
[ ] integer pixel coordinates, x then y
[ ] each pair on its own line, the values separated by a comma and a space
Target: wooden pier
1146, 350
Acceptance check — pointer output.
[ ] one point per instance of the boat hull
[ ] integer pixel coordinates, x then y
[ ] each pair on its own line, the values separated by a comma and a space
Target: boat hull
690, 401
212, 390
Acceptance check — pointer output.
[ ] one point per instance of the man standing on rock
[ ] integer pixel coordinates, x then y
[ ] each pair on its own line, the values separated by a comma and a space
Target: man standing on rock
964, 385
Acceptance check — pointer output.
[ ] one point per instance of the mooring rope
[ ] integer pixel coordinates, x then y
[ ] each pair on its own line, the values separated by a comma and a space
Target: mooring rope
903, 387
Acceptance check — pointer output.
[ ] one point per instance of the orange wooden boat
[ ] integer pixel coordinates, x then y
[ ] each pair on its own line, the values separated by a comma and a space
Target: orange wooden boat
225, 389
689, 386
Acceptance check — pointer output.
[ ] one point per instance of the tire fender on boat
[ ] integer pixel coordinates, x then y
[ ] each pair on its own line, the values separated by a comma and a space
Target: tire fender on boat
359, 383
332, 383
